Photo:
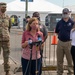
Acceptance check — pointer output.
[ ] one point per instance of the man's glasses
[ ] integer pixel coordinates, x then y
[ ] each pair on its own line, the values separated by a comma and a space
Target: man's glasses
65, 13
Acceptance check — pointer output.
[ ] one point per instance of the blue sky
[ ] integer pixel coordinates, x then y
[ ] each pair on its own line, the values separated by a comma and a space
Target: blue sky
57, 2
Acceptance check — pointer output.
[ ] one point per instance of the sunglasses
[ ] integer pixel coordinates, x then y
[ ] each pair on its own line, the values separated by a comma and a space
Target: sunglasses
65, 13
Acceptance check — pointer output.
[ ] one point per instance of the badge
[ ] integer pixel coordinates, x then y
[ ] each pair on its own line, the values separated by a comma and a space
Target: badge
69, 24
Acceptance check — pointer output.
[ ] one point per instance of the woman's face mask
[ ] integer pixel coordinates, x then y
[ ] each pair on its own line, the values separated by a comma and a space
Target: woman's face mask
34, 27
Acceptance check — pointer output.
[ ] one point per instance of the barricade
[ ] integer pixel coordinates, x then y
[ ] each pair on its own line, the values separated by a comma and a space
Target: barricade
49, 52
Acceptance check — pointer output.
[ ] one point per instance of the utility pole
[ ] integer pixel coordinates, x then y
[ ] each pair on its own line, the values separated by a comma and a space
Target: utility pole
26, 9
26, 13
63, 3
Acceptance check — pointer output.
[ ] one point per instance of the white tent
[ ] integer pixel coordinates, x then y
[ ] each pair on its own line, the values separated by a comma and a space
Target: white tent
44, 7
36, 5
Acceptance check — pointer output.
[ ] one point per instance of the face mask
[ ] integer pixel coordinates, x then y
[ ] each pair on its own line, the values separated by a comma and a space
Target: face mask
65, 16
3, 10
34, 27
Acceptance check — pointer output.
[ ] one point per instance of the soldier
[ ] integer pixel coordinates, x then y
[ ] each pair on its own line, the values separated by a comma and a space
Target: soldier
5, 26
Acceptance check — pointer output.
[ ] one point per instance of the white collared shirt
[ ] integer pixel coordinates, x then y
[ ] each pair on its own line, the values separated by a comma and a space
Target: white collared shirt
72, 37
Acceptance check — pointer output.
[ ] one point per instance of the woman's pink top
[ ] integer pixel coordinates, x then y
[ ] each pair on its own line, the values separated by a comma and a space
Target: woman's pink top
26, 51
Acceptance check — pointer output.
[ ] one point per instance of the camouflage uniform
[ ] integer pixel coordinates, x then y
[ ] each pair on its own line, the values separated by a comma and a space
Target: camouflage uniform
5, 37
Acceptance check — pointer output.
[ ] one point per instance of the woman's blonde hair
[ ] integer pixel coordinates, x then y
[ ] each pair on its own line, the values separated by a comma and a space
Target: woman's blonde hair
28, 28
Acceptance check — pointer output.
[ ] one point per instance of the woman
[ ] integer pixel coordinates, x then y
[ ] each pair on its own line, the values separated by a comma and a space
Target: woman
32, 32
72, 37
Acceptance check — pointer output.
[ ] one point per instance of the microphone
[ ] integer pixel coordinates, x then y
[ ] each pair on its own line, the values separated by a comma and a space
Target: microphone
30, 43
39, 42
39, 38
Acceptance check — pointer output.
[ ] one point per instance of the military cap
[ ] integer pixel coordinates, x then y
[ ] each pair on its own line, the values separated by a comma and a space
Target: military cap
2, 4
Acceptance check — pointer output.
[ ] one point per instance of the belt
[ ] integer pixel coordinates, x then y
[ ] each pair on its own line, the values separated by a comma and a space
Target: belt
65, 40
4, 41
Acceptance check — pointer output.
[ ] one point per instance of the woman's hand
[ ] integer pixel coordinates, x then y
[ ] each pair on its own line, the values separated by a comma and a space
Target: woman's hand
25, 44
